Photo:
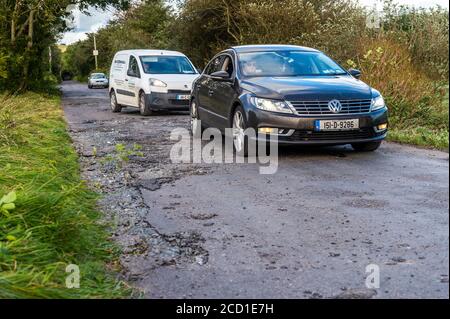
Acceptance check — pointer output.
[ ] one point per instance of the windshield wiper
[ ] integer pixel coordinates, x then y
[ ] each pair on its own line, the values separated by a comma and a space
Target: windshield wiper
337, 73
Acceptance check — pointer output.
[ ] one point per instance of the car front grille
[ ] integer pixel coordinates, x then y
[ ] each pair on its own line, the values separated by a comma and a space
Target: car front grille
179, 102
303, 135
321, 107
179, 92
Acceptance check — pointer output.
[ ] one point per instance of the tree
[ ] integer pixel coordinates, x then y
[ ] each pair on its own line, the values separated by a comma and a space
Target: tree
29, 27
143, 25
204, 27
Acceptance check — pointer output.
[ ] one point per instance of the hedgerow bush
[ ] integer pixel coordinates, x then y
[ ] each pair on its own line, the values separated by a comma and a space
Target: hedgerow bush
412, 97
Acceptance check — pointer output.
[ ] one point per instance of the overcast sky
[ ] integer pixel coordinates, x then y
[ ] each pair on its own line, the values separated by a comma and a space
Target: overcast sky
97, 19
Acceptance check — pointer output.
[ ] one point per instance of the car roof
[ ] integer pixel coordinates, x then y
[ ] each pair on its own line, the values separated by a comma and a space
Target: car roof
141, 52
271, 47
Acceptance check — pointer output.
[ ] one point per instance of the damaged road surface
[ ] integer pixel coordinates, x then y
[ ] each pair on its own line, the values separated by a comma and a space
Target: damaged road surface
225, 231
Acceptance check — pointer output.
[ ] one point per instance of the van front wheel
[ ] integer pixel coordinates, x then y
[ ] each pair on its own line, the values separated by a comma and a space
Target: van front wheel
144, 108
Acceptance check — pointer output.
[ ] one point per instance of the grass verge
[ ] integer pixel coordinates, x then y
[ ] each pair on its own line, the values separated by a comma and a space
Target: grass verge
428, 128
420, 136
55, 222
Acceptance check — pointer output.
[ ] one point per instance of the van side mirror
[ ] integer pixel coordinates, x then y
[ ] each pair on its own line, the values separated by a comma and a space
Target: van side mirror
130, 72
355, 73
221, 75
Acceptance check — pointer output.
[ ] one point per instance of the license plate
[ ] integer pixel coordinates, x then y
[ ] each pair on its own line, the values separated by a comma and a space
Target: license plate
336, 125
183, 97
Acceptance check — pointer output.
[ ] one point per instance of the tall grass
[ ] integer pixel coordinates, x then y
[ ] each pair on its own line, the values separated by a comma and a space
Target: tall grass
55, 222
418, 106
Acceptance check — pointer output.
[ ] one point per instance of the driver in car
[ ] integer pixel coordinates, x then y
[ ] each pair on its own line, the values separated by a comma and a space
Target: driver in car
250, 68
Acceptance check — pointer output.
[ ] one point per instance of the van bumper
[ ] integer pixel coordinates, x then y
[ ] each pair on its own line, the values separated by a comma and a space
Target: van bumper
169, 101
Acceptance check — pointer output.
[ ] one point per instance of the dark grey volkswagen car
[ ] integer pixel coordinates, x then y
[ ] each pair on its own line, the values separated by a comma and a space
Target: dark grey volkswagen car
297, 93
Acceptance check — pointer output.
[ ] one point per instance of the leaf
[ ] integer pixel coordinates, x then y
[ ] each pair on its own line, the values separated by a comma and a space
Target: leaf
8, 206
11, 238
8, 198
120, 147
3, 250
4, 211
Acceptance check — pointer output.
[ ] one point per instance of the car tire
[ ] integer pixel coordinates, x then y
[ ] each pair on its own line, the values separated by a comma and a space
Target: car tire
366, 147
115, 107
239, 124
196, 128
89, 86
144, 107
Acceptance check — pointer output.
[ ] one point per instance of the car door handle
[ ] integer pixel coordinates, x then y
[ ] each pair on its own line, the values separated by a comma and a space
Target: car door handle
126, 80
211, 92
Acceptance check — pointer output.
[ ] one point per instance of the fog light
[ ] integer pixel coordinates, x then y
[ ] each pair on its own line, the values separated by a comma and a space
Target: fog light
382, 127
268, 130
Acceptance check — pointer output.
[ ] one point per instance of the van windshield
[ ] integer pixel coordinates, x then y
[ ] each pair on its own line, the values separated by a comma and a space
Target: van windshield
288, 63
166, 65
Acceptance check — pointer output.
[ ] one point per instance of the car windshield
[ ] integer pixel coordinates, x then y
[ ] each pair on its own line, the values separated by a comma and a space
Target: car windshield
98, 76
167, 65
288, 63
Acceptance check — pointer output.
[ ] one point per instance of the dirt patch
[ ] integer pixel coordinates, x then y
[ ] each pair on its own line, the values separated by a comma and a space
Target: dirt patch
366, 203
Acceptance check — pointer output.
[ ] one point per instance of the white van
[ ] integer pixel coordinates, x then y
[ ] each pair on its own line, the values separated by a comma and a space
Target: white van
151, 80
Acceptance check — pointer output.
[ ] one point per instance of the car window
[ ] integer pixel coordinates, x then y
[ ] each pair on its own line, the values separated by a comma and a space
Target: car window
167, 65
98, 76
288, 63
215, 65
227, 65
133, 67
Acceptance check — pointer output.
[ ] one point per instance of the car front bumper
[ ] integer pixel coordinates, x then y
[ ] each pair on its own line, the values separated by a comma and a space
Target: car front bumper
301, 129
168, 101
99, 84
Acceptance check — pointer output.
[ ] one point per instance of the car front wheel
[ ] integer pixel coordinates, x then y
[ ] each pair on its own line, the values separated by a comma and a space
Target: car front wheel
196, 126
240, 140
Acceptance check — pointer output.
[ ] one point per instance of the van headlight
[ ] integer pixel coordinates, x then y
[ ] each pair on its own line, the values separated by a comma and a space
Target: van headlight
377, 103
157, 83
271, 105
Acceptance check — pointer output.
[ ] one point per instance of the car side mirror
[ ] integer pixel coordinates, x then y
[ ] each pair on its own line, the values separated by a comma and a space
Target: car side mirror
355, 73
222, 75
130, 73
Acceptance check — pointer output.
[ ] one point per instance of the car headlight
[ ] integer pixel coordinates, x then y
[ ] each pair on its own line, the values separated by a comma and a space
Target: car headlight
271, 105
158, 83
377, 103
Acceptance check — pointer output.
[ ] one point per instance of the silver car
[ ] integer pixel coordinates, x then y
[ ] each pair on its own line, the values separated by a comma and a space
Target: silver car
98, 80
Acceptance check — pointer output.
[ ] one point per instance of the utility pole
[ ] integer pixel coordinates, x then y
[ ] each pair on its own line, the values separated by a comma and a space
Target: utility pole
95, 53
